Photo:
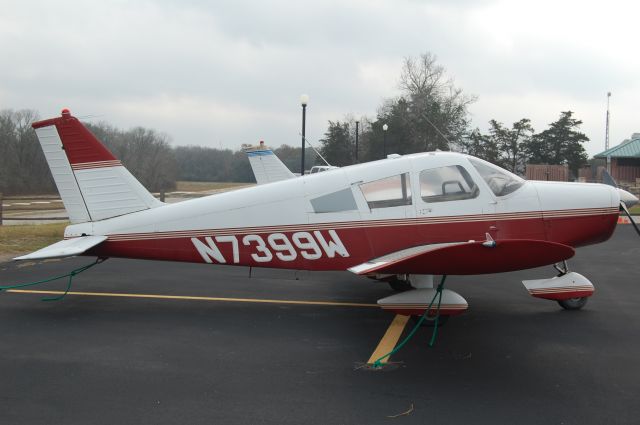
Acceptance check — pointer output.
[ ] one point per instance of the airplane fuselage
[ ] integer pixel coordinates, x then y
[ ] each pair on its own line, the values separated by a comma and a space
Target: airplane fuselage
343, 217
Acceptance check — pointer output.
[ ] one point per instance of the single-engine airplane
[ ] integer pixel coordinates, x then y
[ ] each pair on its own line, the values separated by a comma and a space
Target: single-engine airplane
402, 219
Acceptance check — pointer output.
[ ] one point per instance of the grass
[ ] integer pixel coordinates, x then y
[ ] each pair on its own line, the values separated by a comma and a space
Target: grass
184, 186
635, 210
34, 201
29, 237
34, 207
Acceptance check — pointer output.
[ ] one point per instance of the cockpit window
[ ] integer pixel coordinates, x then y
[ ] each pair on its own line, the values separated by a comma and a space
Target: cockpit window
450, 183
500, 181
392, 191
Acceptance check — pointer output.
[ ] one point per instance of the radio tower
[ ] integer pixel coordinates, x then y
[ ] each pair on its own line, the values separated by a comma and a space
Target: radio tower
606, 136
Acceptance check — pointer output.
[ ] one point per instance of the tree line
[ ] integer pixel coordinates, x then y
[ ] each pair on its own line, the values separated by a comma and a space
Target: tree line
24, 170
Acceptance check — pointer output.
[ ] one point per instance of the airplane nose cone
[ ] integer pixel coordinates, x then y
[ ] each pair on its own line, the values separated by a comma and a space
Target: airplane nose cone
629, 199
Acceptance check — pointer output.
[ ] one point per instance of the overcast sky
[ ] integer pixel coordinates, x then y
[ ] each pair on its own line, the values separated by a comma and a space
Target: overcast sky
225, 73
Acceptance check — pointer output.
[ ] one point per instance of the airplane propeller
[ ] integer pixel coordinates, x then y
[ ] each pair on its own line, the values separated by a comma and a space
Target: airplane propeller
626, 199
623, 207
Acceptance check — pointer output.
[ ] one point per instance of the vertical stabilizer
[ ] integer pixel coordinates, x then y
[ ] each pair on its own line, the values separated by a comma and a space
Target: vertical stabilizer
92, 183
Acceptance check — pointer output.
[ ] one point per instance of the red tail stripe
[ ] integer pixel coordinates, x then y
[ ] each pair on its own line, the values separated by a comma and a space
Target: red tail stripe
97, 164
80, 145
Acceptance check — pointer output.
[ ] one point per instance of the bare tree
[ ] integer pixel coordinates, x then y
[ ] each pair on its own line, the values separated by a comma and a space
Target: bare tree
422, 75
436, 110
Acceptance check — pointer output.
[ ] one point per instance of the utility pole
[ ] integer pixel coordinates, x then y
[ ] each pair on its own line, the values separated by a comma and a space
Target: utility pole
357, 124
304, 99
384, 140
606, 135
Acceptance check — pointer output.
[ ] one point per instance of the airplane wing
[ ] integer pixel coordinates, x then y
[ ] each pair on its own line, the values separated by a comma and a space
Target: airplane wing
66, 248
471, 257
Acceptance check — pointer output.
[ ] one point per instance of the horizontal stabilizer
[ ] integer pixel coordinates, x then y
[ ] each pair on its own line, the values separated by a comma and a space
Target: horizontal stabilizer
472, 257
66, 248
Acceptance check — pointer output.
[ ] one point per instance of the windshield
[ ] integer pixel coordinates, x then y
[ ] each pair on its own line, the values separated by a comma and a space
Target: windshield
500, 181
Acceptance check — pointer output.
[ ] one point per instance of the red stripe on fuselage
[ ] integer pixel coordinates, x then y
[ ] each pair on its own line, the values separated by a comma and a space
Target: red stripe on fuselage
363, 242
506, 220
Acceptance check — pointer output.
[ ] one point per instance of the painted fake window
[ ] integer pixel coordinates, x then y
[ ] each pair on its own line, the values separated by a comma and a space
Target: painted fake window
450, 183
339, 201
392, 191
500, 181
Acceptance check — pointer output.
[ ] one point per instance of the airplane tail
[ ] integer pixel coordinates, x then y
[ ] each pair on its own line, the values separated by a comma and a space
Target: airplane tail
92, 183
266, 166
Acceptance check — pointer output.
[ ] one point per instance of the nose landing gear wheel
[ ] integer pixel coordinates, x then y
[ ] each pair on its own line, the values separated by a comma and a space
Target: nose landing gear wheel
573, 303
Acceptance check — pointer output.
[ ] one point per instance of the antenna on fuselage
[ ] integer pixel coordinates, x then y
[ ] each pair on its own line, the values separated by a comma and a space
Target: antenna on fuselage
424, 115
315, 150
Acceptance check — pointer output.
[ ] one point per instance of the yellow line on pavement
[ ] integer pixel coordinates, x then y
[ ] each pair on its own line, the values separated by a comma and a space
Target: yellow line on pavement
390, 339
193, 298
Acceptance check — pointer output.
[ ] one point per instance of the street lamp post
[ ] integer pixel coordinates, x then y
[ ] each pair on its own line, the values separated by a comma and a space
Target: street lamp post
357, 124
606, 135
304, 99
384, 139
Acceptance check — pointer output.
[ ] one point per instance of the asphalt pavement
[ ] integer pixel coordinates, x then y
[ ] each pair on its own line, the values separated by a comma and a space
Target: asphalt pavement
222, 358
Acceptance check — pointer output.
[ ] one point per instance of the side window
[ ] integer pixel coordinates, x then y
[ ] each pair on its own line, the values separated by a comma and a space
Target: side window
451, 183
392, 191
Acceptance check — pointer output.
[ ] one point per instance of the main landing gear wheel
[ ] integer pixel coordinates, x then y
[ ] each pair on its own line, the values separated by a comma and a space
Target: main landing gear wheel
573, 303
399, 285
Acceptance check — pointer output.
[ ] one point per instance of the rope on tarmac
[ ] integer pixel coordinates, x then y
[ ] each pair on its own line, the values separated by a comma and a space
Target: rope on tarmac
438, 294
70, 275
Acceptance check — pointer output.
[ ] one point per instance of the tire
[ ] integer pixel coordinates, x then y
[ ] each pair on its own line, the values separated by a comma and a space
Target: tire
399, 285
573, 303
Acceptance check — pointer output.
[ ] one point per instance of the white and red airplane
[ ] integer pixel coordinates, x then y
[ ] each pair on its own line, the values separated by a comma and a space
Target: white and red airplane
402, 219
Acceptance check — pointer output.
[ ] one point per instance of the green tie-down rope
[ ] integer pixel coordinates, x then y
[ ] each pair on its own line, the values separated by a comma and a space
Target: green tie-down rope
70, 275
397, 348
